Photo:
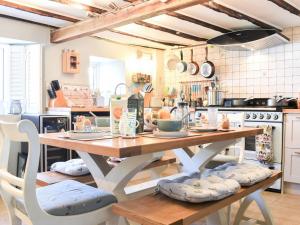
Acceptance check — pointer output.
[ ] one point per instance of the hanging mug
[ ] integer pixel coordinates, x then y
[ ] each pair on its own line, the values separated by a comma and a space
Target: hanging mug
128, 123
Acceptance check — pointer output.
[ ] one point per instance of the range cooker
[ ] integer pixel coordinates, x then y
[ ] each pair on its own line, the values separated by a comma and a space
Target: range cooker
255, 114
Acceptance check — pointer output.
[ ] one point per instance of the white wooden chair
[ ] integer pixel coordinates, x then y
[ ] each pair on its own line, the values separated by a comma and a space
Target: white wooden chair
21, 197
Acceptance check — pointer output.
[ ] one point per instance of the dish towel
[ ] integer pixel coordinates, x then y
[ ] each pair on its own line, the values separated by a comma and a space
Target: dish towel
264, 148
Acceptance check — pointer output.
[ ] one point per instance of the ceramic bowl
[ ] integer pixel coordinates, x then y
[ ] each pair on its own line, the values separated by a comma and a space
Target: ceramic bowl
169, 125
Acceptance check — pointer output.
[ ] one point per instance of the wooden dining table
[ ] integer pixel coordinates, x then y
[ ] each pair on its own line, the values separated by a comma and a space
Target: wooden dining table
143, 150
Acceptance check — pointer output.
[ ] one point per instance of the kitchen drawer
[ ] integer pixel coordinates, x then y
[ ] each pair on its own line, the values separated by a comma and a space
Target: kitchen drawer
292, 165
292, 131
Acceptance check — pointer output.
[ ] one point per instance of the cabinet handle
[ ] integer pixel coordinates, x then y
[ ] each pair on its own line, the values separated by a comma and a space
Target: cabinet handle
298, 117
298, 153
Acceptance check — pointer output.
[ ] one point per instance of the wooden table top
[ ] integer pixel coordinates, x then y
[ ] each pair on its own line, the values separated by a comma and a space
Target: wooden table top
119, 147
162, 210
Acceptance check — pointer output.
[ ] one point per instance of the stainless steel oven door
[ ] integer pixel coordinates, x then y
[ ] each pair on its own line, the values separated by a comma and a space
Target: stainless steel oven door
250, 146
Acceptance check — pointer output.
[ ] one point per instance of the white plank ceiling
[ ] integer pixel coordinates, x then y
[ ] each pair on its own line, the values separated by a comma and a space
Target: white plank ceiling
262, 10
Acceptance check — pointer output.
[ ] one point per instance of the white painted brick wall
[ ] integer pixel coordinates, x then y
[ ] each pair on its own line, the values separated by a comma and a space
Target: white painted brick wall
262, 73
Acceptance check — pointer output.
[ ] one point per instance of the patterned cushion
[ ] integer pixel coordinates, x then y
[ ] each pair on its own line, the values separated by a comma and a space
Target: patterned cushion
245, 174
73, 167
70, 198
193, 189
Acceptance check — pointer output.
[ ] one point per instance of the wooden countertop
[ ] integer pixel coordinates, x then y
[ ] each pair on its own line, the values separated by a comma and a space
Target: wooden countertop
291, 111
119, 147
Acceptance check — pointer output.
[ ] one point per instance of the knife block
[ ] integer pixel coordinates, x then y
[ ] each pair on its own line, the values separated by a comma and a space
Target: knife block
147, 99
60, 100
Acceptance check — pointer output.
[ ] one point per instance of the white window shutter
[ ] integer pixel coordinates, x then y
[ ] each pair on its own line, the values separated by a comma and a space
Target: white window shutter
17, 77
33, 78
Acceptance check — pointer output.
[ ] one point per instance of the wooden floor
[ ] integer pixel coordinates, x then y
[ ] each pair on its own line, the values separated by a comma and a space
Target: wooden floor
284, 207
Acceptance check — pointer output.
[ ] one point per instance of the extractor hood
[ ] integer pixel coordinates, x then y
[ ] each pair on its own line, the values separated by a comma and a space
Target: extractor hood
249, 40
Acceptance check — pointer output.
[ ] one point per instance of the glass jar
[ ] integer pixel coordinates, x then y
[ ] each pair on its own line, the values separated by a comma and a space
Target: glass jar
15, 107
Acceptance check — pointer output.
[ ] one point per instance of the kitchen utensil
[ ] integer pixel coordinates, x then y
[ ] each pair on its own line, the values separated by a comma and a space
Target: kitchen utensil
193, 67
172, 62
284, 102
173, 134
215, 97
181, 67
272, 101
51, 93
83, 135
203, 129
169, 125
207, 69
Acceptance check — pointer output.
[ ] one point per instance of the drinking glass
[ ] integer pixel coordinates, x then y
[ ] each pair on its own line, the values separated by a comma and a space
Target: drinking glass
212, 117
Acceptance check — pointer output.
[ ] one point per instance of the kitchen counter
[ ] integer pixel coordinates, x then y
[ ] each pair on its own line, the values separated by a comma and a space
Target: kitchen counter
78, 109
291, 111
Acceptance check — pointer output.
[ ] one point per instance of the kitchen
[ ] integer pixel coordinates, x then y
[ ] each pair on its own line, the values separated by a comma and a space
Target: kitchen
73, 61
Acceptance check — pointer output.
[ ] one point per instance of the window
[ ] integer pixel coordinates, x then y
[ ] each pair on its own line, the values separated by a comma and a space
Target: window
20, 73
105, 74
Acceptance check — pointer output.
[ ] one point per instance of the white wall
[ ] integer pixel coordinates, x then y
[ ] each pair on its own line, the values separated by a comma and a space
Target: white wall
24, 31
89, 46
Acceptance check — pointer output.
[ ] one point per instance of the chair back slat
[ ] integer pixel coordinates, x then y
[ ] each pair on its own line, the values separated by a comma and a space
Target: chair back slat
23, 131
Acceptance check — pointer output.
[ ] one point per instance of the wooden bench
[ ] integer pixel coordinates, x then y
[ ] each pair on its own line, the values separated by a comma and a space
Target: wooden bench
158, 209
51, 177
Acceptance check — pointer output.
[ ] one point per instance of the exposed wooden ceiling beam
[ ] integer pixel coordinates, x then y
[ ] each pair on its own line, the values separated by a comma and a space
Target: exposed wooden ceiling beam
146, 39
120, 43
125, 16
84, 6
198, 22
238, 15
170, 31
287, 6
36, 10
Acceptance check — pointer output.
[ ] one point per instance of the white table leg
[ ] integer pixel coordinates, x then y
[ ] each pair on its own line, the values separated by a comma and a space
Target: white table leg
200, 159
258, 198
115, 179
218, 218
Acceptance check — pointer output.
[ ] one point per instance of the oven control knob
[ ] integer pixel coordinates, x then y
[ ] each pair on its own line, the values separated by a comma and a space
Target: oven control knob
254, 116
247, 116
276, 117
261, 116
268, 116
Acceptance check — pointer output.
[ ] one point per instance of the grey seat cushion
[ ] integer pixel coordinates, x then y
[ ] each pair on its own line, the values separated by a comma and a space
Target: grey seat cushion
70, 198
195, 189
245, 174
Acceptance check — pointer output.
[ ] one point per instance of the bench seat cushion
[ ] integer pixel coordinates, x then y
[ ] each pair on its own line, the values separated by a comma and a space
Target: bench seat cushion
193, 189
73, 167
70, 198
245, 174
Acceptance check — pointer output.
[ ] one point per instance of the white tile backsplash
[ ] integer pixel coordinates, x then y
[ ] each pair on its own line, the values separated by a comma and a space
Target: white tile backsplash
262, 73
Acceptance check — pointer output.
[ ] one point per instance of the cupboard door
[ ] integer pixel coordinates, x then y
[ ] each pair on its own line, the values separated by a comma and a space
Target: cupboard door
292, 165
292, 131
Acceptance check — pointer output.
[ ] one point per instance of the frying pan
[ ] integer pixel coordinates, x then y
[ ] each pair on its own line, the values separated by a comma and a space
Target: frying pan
181, 67
193, 67
207, 68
